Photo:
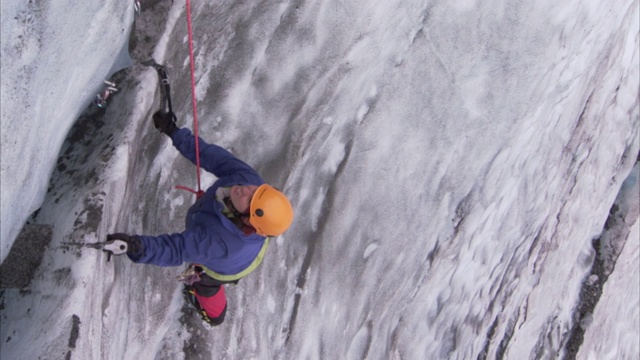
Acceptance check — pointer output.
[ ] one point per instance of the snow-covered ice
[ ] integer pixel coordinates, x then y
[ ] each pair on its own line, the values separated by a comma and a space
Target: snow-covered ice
54, 59
450, 164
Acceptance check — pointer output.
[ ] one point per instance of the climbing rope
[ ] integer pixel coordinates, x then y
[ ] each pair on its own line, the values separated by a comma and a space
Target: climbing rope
199, 192
166, 99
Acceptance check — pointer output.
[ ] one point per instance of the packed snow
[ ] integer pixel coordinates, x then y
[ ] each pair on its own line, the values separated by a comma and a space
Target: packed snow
450, 164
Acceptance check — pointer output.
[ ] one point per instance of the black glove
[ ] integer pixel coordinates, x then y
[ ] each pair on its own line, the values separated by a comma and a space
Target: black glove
165, 122
119, 244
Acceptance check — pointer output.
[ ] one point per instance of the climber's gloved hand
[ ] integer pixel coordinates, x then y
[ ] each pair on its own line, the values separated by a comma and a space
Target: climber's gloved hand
119, 244
165, 122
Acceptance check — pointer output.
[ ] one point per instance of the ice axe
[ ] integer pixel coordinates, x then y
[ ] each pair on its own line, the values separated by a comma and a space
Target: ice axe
111, 247
165, 87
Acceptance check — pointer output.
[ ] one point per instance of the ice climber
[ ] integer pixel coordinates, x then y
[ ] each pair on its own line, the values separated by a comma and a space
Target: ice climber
227, 229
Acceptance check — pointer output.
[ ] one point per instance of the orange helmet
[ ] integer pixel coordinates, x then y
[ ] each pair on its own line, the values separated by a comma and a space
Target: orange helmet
271, 213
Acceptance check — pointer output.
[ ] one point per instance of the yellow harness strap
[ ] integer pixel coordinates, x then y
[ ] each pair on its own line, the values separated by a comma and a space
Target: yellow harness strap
243, 273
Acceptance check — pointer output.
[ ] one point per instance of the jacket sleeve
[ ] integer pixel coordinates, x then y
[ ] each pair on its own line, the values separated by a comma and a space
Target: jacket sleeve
213, 158
194, 245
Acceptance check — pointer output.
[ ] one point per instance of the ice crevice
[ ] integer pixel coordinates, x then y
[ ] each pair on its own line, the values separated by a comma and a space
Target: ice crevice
309, 255
608, 247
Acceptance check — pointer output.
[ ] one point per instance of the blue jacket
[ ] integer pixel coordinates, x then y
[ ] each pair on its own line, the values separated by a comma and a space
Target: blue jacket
210, 238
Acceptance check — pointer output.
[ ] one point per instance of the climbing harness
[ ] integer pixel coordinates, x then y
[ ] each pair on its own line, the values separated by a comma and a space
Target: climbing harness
243, 273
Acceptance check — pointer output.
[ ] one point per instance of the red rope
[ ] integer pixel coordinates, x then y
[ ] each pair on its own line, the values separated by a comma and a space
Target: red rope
199, 192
